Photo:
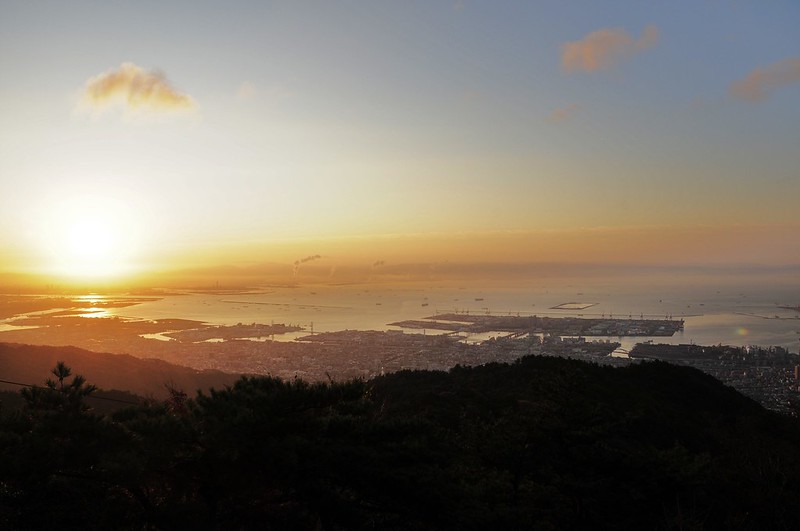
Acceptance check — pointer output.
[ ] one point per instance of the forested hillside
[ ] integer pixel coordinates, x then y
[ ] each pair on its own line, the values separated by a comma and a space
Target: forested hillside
147, 377
543, 443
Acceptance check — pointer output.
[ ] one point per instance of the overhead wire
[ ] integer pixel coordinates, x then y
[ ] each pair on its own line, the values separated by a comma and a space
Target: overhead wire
107, 398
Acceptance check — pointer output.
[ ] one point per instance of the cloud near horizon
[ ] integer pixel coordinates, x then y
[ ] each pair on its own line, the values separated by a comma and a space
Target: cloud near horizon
760, 81
604, 48
135, 88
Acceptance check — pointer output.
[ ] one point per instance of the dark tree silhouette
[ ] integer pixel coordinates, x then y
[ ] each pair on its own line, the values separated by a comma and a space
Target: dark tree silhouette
59, 395
544, 443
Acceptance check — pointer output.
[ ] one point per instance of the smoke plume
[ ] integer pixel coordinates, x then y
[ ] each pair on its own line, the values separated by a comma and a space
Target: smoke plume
297, 263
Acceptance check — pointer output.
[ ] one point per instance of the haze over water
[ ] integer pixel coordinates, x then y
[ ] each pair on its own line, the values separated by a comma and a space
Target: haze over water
732, 313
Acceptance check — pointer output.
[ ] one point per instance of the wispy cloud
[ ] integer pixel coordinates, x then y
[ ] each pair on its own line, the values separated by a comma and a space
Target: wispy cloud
134, 88
760, 81
604, 48
270, 95
563, 114
246, 91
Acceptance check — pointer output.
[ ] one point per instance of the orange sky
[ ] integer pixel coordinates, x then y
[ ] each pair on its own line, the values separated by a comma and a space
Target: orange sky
482, 257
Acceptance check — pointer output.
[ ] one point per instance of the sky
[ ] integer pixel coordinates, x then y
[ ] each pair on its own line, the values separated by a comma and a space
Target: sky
146, 136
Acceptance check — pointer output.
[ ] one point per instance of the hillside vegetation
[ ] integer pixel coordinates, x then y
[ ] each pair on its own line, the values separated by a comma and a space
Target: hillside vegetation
544, 443
147, 377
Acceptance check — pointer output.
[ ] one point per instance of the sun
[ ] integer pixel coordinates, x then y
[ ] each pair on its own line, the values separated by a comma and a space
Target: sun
90, 240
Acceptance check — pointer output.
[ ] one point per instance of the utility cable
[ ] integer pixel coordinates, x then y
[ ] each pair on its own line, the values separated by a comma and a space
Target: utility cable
32, 386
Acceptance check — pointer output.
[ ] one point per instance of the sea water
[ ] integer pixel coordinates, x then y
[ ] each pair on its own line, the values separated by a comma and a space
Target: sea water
728, 312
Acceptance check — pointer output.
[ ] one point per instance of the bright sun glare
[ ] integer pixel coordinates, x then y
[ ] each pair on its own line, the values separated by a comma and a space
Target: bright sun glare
90, 239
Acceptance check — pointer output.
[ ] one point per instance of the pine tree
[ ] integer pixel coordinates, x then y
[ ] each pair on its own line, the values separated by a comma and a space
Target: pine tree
59, 395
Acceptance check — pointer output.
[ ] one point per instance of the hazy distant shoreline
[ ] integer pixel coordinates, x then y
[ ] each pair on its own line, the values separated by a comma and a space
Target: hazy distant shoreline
729, 313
